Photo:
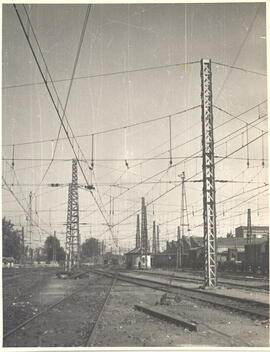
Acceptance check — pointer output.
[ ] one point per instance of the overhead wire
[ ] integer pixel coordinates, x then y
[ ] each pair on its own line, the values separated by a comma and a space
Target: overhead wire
174, 187
57, 111
240, 68
151, 68
69, 88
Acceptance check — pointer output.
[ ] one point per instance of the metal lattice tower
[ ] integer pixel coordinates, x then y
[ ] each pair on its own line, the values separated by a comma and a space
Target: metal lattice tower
209, 201
72, 233
154, 240
158, 243
30, 222
179, 249
138, 236
249, 229
183, 207
144, 234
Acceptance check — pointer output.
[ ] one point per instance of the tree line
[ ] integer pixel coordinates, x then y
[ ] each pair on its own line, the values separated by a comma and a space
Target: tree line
14, 246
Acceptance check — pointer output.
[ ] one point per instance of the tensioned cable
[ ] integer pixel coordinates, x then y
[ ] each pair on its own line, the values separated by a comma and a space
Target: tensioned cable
111, 129
239, 51
69, 88
57, 111
104, 74
47, 72
165, 170
20, 204
168, 191
240, 68
133, 125
236, 117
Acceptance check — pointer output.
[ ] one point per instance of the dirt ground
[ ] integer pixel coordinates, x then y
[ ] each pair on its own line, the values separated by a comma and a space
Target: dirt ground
121, 325
71, 322
19, 288
67, 324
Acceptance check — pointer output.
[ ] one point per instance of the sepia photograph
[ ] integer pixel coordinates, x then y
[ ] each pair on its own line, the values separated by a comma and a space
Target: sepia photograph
135, 175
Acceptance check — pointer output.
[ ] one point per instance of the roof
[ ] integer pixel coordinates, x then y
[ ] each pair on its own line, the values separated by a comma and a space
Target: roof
8, 258
266, 228
236, 242
137, 251
134, 251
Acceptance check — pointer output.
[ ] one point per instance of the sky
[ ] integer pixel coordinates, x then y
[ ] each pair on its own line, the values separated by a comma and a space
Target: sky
121, 38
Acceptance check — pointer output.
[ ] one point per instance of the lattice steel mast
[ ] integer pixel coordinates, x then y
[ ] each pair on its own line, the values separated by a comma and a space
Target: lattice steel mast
154, 239
183, 208
138, 237
30, 219
249, 228
144, 234
209, 202
158, 243
72, 234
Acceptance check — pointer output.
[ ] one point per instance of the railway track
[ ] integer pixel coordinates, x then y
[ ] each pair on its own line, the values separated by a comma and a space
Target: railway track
64, 299
245, 306
231, 275
178, 277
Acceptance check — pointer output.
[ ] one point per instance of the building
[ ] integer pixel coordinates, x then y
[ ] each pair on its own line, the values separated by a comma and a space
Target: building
256, 231
136, 259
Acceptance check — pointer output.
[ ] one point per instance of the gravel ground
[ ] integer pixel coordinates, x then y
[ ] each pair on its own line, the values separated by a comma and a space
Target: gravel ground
123, 326
69, 323
18, 292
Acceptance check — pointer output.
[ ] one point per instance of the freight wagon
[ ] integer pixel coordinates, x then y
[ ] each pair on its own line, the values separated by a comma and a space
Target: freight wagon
257, 258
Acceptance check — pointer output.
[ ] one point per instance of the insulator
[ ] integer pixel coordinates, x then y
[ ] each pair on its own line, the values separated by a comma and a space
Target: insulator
126, 163
13, 152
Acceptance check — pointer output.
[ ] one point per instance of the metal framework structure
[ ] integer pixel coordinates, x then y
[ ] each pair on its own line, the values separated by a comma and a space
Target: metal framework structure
138, 235
72, 261
249, 228
184, 212
30, 228
209, 192
154, 239
144, 233
158, 243
179, 249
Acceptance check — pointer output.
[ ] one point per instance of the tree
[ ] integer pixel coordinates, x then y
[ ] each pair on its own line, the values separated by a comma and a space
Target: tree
91, 248
50, 242
11, 240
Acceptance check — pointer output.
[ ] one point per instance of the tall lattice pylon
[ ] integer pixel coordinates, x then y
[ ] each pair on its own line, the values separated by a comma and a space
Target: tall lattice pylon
72, 261
144, 233
154, 239
184, 223
209, 191
158, 243
138, 236
249, 228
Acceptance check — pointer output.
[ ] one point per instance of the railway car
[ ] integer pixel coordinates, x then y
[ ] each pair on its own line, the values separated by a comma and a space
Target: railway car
257, 257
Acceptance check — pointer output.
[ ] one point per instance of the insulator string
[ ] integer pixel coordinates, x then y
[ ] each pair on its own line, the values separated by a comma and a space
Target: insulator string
13, 154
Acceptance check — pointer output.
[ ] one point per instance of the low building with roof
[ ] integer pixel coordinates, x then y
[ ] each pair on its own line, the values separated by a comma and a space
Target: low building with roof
138, 259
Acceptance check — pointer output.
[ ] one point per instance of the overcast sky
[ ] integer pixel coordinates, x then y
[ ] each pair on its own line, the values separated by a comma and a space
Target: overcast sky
129, 37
